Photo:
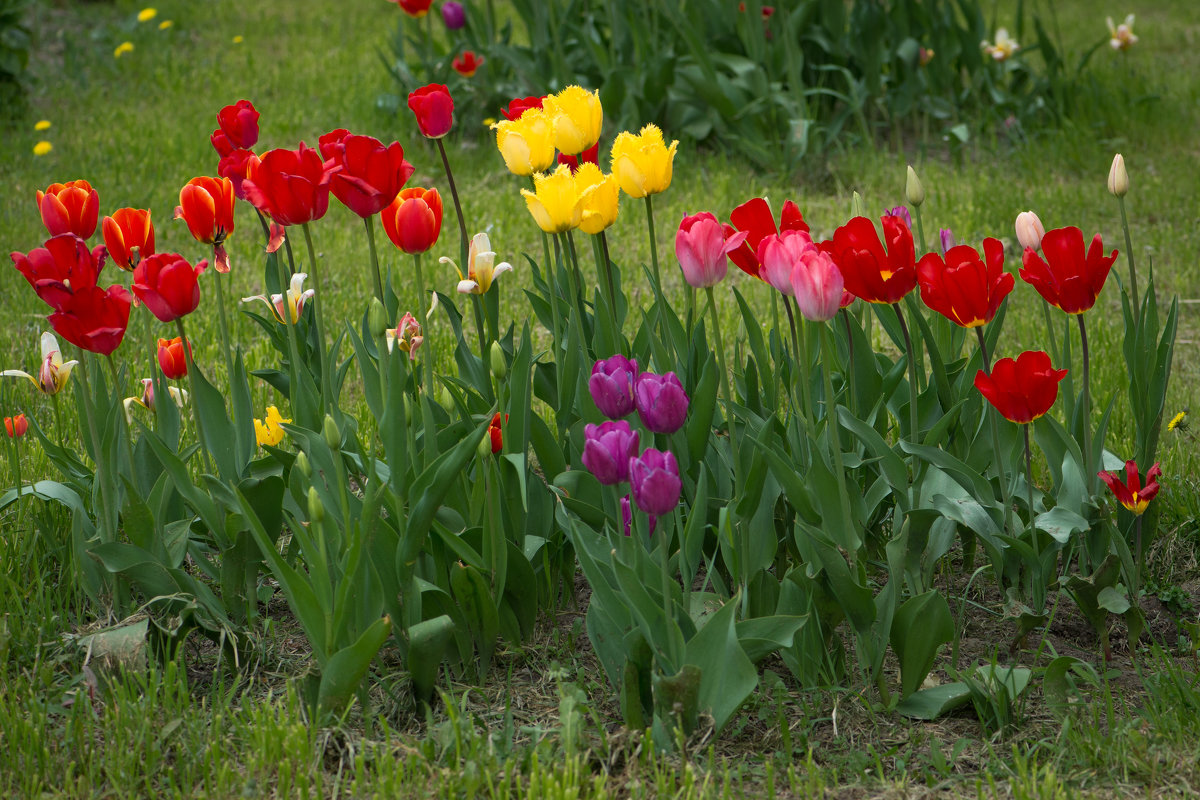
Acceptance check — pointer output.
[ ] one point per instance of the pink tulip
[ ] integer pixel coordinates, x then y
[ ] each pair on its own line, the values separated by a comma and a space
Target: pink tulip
818, 285
779, 253
701, 247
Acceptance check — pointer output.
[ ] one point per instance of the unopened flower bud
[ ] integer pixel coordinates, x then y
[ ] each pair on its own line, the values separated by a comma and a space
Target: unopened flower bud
303, 464
485, 447
316, 509
1118, 178
446, 400
376, 318
913, 190
333, 437
499, 365
1030, 230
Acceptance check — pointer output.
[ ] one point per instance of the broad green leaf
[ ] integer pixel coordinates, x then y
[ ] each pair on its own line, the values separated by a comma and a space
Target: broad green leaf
931, 703
426, 647
921, 625
727, 676
344, 671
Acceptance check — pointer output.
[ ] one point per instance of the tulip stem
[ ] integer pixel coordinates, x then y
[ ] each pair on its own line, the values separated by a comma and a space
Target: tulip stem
832, 427
124, 423
289, 324
462, 222
370, 223
802, 379
191, 372
218, 280
1050, 330
326, 377
608, 275
1137, 298
845, 315
913, 418
995, 424
728, 386
576, 279
659, 299
1088, 469
420, 311
1039, 585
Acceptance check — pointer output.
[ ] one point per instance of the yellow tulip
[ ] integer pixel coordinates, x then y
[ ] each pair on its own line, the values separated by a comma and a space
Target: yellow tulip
642, 163
599, 195
576, 115
554, 205
527, 143
269, 431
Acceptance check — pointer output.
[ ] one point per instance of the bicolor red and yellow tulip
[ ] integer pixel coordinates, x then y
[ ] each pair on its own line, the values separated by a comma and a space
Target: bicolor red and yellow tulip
413, 220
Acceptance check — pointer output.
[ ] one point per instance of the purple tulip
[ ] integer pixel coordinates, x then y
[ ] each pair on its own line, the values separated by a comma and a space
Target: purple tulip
946, 240
654, 479
611, 385
453, 15
627, 517
607, 448
902, 213
661, 402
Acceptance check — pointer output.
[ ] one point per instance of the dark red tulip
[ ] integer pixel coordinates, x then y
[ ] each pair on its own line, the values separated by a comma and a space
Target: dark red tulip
60, 268
1022, 389
519, 106
589, 156
434, 109
962, 288
292, 186
167, 284
1068, 278
371, 174
94, 319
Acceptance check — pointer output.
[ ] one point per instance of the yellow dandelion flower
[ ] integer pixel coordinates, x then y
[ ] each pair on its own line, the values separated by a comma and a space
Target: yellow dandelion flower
42, 124
1177, 421
122, 49
41, 148
147, 14
166, 23
239, 39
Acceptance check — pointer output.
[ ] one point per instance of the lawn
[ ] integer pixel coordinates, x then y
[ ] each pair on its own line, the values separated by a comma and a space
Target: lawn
544, 723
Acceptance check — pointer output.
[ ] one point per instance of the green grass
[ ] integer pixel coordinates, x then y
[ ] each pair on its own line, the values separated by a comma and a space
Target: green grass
137, 127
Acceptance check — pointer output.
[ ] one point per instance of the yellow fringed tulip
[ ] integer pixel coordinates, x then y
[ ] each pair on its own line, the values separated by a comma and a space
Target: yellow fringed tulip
554, 205
269, 431
599, 196
527, 143
642, 163
576, 116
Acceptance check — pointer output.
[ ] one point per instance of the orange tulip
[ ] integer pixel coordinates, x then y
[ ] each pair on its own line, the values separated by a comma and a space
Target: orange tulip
71, 207
206, 205
128, 235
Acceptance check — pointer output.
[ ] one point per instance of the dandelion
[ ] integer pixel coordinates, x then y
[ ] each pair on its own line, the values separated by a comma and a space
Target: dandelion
1122, 35
42, 125
239, 39
1178, 421
122, 49
147, 14
166, 23
42, 148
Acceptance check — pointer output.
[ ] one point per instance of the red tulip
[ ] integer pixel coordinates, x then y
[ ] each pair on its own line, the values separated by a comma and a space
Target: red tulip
1071, 280
1023, 389
129, 236
589, 156
60, 268
93, 319
371, 175
414, 8
292, 186
167, 284
234, 166
239, 123
1130, 492
71, 207
876, 274
414, 219
756, 219
172, 358
221, 143
962, 288
434, 109
467, 63
496, 434
16, 426
520, 105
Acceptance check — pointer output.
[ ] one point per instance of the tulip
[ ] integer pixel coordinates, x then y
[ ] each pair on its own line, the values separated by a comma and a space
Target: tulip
701, 248
269, 430
454, 15
481, 266
167, 284
643, 163
554, 204
434, 109
234, 166
239, 124
654, 481
876, 274
94, 319
519, 106
1004, 47
206, 205
611, 385
292, 186
467, 63
778, 254
599, 197
961, 287
577, 117
498, 361
16, 426
1118, 178
128, 236
53, 373
817, 285
296, 298
914, 192
589, 156
1022, 389
900, 212
146, 401
607, 450
526, 143
60, 268
414, 219
945, 240
496, 434
661, 403
1030, 230
220, 142
71, 207
755, 218
172, 358
1122, 36
371, 174
1068, 278
1130, 492
406, 335
414, 8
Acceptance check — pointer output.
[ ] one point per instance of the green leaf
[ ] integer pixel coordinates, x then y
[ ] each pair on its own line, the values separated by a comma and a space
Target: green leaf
931, 703
921, 625
727, 676
762, 636
426, 647
431, 487
1113, 599
1060, 523
343, 672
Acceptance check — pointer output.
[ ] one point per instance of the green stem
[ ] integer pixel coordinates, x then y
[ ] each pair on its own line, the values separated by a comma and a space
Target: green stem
477, 306
831, 426
659, 299
219, 281
802, 380
1039, 585
369, 222
728, 386
124, 423
1137, 298
1088, 469
191, 371
1050, 330
462, 222
993, 417
420, 313
326, 378
575, 278
913, 418
289, 325
608, 277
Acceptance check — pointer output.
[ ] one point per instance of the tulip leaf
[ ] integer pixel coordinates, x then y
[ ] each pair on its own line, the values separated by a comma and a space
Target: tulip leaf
1060, 523
934, 702
431, 487
474, 597
727, 675
344, 671
701, 411
215, 427
426, 648
921, 625
762, 636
